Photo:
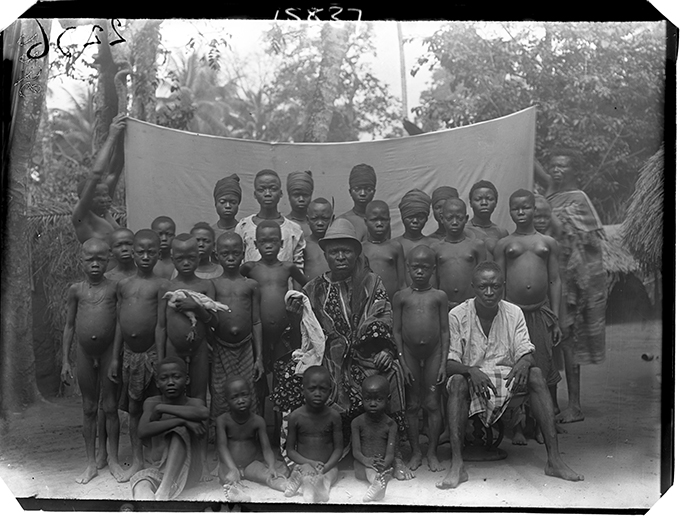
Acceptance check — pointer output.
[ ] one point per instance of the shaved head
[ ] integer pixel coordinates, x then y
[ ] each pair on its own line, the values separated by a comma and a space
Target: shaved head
95, 244
421, 252
455, 203
376, 383
230, 237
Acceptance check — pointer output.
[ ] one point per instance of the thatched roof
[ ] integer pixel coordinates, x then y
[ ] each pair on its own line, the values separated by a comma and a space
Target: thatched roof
616, 258
642, 229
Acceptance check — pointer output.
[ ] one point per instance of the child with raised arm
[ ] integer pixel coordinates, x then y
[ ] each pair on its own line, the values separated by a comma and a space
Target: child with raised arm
483, 200
314, 442
362, 184
457, 255
180, 421
272, 276
415, 210
530, 263
385, 256
91, 216
227, 194
319, 218
121, 251
165, 228
237, 348
300, 186
138, 339
242, 444
205, 236
374, 434
421, 332
91, 317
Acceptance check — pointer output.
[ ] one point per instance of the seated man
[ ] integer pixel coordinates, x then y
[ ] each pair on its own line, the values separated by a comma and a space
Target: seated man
490, 360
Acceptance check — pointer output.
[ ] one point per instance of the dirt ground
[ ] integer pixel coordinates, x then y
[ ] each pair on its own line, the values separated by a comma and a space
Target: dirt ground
617, 448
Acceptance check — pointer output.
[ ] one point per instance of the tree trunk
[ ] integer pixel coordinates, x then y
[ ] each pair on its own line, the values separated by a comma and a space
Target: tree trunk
144, 70
335, 43
29, 83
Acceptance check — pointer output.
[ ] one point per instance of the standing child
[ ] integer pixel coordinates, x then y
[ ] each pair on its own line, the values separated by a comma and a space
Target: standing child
319, 218
165, 228
439, 197
238, 333
91, 316
139, 338
227, 194
314, 442
205, 236
300, 186
385, 256
243, 446
180, 421
457, 255
272, 276
530, 263
121, 250
483, 200
415, 209
374, 434
362, 184
544, 221
421, 331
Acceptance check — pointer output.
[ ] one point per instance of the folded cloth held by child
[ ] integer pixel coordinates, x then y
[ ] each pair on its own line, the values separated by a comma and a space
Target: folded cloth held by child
313, 339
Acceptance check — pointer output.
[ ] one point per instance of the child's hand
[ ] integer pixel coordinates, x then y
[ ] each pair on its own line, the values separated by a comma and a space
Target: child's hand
441, 374
66, 373
259, 369
197, 428
187, 304
117, 125
556, 335
409, 378
382, 360
113, 371
319, 467
378, 463
232, 476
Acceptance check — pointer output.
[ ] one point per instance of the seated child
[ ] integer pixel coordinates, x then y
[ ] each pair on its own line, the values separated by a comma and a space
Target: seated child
314, 442
483, 200
300, 186
374, 434
243, 446
91, 316
121, 250
319, 218
421, 332
415, 209
205, 236
227, 194
385, 256
457, 255
165, 228
179, 421
237, 347
139, 300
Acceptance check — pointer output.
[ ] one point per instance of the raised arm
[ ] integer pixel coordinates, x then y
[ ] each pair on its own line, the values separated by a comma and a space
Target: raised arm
541, 177
118, 155
69, 329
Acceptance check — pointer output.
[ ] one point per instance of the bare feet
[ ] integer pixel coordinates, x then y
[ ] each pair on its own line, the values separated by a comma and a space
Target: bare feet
101, 458
376, 490
205, 474
433, 462
234, 493
453, 478
539, 436
401, 472
294, 482
128, 474
518, 437
416, 459
87, 475
560, 429
570, 415
279, 483
561, 470
117, 471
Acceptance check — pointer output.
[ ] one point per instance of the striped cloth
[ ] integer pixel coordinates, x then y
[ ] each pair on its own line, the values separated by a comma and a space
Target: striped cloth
230, 360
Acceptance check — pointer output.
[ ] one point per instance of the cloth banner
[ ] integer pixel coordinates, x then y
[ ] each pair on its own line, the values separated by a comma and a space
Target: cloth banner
172, 173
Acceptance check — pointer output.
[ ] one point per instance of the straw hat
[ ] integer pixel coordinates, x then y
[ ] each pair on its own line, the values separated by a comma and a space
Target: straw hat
341, 228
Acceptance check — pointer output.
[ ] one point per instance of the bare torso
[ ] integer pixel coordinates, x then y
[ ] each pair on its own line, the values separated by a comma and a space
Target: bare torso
178, 325
242, 439
420, 326
409, 244
383, 260
315, 260
374, 436
455, 263
95, 323
95, 226
164, 268
138, 312
526, 267
314, 434
235, 325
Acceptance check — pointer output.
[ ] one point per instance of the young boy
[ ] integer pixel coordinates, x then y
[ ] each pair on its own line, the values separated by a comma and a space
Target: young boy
121, 250
421, 332
544, 222
300, 186
272, 276
314, 440
385, 256
319, 218
415, 209
165, 228
439, 196
483, 200
205, 236
91, 215
238, 333
242, 444
457, 255
227, 195
362, 184
139, 338
180, 421
374, 434
530, 262
91, 316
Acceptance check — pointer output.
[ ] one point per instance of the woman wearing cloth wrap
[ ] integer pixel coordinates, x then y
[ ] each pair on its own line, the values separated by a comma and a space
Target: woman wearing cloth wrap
300, 186
351, 305
227, 196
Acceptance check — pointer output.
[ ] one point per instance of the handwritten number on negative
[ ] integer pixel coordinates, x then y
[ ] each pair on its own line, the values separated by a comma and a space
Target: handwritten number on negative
44, 43
121, 40
96, 37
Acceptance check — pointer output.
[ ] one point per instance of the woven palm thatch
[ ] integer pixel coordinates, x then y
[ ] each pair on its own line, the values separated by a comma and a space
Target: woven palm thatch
642, 229
616, 258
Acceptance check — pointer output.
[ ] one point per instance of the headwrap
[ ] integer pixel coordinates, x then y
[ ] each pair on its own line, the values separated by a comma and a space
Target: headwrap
443, 193
228, 185
414, 202
362, 174
300, 180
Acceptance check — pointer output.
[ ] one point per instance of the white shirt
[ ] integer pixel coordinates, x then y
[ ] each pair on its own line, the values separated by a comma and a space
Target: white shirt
291, 234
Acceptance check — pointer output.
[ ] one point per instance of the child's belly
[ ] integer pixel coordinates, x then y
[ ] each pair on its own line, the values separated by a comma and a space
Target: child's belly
95, 331
243, 452
138, 326
318, 448
185, 338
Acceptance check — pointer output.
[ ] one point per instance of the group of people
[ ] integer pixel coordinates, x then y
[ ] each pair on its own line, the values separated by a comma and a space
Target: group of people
349, 332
